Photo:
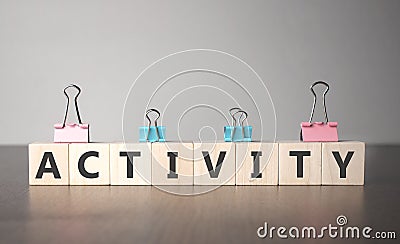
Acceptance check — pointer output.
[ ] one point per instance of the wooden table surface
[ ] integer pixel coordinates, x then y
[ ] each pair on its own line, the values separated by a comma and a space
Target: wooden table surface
230, 214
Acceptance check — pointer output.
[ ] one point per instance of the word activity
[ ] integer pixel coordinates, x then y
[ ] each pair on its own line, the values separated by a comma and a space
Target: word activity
192, 163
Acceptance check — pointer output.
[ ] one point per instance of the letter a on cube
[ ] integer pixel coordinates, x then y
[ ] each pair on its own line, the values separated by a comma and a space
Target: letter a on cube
48, 164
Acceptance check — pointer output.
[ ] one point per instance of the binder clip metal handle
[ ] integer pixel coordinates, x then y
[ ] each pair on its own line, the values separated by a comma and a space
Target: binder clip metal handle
75, 101
150, 111
71, 133
232, 113
239, 121
319, 131
238, 125
238, 132
152, 133
228, 129
155, 123
315, 99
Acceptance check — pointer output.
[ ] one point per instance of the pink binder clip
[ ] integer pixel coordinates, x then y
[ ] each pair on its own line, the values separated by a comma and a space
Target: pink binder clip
71, 132
319, 131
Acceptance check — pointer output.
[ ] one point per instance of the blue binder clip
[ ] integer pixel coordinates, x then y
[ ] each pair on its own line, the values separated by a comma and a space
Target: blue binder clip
238, 132
152, 133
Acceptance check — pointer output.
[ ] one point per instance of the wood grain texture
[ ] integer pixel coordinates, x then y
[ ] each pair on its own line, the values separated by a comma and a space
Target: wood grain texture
139, 169
355, 168
161, 163
229, 214
288, 164
268, 163
226, 174
59, 152
100, 164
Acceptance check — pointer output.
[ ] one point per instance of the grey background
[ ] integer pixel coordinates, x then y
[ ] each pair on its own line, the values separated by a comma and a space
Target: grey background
104, 45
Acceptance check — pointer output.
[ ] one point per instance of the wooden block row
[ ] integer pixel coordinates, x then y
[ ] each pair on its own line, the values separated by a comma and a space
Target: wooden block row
252, 163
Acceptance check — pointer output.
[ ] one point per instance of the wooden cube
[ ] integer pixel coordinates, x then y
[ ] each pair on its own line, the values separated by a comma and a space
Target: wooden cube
130, 164
343, 163
48, 164
214, 163
256, 163
172, 163
89, 164
300, 163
